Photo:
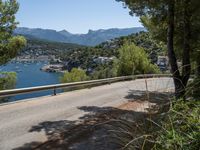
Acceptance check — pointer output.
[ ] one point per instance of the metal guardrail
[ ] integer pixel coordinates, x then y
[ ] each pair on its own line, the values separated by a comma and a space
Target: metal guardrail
13, 92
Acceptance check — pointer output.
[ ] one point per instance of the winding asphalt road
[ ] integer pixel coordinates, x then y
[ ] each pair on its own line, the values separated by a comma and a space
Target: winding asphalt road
17, 119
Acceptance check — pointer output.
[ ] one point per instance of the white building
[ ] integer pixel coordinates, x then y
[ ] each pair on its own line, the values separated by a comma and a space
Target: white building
103, 60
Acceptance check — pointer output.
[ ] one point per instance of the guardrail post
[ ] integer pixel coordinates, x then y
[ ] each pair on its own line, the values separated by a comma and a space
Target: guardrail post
109, 82
54, 91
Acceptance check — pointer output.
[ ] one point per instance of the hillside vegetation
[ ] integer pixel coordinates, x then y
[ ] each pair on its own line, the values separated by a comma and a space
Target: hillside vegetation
83, 57
134, 54
43, 47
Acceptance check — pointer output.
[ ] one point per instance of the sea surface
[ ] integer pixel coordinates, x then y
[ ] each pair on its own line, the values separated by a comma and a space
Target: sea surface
30, 75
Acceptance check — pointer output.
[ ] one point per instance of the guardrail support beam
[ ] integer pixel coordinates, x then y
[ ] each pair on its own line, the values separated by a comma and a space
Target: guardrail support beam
13, 92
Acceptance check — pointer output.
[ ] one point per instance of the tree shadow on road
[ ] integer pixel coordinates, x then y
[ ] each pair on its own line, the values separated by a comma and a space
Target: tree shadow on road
92, 130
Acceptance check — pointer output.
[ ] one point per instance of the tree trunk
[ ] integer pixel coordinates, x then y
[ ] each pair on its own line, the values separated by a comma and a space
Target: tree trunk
171, 54
186, 69
198, 68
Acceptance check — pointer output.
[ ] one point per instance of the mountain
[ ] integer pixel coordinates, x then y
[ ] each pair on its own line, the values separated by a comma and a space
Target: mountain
46, 34
92, 38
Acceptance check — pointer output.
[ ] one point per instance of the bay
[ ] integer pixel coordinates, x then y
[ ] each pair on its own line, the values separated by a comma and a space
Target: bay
30, 75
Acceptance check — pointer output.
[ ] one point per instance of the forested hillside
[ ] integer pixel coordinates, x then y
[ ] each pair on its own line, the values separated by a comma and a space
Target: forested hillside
83, 57
36, 47
143, 39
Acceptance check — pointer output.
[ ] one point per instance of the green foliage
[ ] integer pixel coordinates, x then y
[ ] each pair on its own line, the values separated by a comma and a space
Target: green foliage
48, 47
74, 76
83, 56
134, 60
176, 128
131, 59
181, 129
193, 90
175, 23
143, 39
11, 48
9, 45
7, 80
105, 71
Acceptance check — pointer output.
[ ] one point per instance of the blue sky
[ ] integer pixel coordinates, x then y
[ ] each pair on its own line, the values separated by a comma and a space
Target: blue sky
76, 16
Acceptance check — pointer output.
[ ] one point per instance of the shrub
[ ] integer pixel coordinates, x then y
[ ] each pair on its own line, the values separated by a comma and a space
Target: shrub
7, 80
134, 60
192, 89
74, 76
181, 129
105, 71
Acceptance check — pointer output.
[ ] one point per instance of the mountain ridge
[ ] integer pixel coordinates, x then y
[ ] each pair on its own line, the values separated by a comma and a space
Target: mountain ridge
92, 38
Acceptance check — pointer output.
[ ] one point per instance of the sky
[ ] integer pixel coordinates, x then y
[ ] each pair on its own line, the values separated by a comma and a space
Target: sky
75, 16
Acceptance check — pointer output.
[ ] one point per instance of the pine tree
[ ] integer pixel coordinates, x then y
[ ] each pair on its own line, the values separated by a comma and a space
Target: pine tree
172, 22
9, 44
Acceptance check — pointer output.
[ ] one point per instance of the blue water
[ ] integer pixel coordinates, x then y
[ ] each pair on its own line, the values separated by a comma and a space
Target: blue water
30, 75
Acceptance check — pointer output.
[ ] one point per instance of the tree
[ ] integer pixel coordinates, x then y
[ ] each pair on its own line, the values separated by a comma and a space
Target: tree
9, 44
172, 22
105, 70
74, 76
171, 53
7, 81
134, 60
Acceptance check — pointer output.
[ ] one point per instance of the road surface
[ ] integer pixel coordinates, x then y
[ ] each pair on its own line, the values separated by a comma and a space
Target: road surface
17, 120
